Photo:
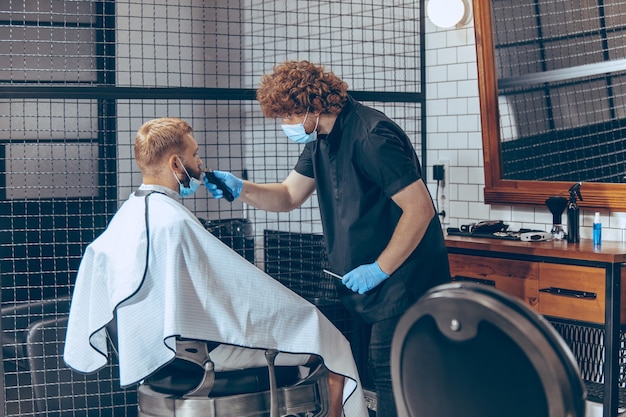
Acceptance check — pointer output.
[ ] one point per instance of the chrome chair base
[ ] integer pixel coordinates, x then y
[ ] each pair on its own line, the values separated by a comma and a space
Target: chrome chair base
307, 398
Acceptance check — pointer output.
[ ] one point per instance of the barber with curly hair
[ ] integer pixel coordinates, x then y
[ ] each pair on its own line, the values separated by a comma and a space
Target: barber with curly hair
381, 230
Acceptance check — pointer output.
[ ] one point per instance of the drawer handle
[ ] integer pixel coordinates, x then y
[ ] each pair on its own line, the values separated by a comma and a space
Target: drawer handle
476, 280
569, 293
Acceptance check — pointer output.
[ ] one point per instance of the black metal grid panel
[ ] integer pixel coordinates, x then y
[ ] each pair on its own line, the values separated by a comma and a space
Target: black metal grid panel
77, 78
298, 261
587, 345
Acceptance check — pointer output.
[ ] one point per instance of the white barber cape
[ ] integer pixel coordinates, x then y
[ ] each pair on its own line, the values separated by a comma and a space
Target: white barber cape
194, 287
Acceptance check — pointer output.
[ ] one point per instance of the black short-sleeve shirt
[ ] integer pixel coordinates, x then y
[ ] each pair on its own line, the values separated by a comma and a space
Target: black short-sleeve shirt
358, 167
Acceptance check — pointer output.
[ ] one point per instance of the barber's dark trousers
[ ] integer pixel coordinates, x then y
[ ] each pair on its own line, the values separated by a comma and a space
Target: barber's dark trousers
379, 362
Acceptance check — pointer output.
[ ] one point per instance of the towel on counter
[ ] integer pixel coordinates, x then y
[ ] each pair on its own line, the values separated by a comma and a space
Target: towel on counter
193, 286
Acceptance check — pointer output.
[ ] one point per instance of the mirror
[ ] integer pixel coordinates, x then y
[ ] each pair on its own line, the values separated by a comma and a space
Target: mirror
552, 86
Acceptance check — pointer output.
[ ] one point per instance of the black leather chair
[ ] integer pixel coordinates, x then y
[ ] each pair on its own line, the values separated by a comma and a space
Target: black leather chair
37, 380
16, 321
471, 350
58, 390
188, 386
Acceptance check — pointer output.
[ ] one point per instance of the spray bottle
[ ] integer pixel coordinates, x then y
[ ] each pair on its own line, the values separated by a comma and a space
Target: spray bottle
573, 213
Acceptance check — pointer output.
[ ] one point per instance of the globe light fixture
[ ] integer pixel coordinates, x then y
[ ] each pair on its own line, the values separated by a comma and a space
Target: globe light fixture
449, 13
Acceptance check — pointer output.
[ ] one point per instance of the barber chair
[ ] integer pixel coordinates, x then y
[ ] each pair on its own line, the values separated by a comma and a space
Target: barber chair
470, 350
16, 322
61, 392
37, 382
189, 387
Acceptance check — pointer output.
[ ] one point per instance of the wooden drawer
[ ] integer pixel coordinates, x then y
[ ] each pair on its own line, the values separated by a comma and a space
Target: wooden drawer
518, 278
572, 292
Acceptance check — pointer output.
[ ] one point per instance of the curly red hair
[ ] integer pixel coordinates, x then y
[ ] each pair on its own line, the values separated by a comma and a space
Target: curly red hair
296, 87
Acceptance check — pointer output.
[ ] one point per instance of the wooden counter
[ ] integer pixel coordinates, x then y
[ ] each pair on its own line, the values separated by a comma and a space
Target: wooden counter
612, 252
570, 281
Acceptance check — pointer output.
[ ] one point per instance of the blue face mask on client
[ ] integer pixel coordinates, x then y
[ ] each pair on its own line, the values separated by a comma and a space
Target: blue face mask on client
297, 132
194, 183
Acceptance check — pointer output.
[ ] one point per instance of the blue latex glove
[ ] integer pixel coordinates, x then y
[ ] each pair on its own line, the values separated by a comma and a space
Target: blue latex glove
233, 183
364, 278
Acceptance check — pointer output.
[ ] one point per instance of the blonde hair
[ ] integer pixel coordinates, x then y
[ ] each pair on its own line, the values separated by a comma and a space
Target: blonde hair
296, 87
157, 137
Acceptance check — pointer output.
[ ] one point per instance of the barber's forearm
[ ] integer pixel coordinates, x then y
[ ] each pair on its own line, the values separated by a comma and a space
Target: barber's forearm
417, 212
279, 197
269, 197
406, 237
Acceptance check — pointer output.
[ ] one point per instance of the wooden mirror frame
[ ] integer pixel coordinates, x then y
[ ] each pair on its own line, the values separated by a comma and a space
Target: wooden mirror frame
523, 192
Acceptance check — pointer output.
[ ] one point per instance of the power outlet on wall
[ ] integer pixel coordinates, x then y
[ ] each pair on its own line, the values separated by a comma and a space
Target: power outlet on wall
443, 196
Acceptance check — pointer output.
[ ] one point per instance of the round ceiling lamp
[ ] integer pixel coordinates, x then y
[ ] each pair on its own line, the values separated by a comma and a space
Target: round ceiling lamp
449, 13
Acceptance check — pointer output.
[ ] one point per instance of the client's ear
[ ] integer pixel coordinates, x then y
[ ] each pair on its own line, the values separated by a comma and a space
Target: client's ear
174, 163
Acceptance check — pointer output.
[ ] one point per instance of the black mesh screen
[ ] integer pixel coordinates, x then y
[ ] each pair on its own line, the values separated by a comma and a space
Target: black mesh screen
78, 78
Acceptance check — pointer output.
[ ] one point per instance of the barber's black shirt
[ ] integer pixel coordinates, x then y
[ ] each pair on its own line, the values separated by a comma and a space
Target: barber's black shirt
358, 167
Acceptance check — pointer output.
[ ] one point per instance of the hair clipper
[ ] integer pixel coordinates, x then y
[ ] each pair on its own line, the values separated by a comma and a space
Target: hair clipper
220, 184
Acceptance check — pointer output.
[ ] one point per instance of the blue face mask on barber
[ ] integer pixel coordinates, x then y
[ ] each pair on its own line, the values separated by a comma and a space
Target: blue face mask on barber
297, 132
193, 186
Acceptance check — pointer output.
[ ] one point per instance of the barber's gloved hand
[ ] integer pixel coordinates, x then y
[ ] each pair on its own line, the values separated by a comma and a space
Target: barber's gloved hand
364, 278
233, 183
